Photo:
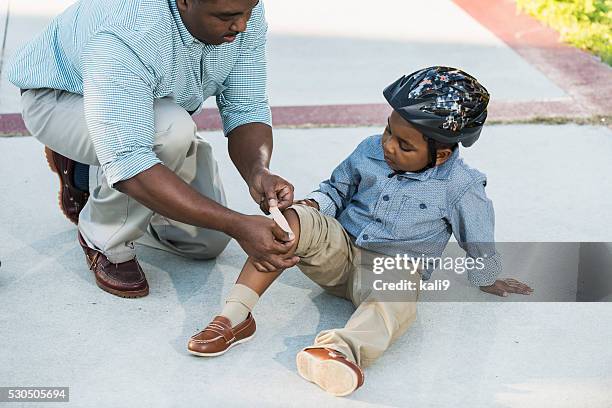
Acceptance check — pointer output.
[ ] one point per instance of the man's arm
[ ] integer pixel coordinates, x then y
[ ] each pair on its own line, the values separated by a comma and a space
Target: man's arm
250, 148
247, 120
159, 189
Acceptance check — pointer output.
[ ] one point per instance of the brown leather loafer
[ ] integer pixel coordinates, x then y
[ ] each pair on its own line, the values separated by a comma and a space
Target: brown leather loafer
71, 199
330, 370
219, 336
126, 279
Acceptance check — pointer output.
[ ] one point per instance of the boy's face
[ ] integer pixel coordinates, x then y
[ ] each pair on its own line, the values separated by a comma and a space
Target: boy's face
405, 147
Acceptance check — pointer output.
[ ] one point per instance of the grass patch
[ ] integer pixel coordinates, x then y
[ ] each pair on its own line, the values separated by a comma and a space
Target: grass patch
586, 24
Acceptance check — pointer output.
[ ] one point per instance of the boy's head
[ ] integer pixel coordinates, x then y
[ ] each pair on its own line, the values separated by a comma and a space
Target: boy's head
434, 109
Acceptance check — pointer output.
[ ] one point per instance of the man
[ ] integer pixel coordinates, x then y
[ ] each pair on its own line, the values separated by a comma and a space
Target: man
109, 88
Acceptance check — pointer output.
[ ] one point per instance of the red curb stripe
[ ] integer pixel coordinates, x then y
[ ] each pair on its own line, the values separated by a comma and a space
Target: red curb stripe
12, 124
310, 116
285, 116
581, 75
351, 115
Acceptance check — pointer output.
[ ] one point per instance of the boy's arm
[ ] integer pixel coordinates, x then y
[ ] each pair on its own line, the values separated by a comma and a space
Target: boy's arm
334, 194
473, 222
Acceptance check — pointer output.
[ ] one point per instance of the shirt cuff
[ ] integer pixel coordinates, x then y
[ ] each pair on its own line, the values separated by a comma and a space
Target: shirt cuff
129, 165
326, 204
486, 275
233, 119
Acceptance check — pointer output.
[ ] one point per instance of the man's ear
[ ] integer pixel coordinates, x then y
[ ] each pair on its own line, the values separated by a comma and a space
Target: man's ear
182, 4
442, 156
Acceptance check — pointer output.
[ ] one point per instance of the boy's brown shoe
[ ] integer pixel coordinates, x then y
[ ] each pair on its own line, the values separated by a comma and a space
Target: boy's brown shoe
219, 336
126, 279
330, 370
71, 199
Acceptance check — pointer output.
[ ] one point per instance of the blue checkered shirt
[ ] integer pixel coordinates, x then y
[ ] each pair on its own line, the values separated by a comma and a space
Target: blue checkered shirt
413, 213
123, 54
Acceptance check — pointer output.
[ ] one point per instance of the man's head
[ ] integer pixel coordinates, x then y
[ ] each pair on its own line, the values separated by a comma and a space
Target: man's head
215, 21
445, 106
407, 149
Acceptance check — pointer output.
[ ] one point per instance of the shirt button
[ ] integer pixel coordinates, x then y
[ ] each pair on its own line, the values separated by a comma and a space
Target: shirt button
386, 197
423, 206
378, 220
366, 237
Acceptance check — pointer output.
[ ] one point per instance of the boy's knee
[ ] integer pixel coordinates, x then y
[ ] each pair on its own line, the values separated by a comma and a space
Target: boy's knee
294, 223
305, 223
292, 218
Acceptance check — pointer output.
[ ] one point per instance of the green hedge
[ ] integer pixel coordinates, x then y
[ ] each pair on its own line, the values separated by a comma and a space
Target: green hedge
586, 24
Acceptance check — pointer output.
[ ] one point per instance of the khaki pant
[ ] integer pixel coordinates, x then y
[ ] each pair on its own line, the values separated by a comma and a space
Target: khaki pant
111, 221
331, 259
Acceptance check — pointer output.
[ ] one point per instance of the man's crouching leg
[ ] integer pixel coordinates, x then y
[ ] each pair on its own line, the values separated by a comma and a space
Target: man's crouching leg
197, 167
111, 221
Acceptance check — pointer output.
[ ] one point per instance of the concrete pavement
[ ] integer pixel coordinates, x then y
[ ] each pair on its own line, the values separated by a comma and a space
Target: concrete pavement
548, 184
62, 330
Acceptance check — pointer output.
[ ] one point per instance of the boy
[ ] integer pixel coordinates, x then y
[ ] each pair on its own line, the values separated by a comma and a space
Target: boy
405, 190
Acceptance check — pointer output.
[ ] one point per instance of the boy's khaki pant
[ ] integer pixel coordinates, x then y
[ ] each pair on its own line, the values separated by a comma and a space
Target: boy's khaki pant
111, 221
331, 259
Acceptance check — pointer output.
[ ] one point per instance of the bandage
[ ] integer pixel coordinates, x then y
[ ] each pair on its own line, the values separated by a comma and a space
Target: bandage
280, 219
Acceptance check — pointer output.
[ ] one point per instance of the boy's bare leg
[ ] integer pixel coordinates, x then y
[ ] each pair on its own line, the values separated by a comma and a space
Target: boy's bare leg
235, 325
252, 283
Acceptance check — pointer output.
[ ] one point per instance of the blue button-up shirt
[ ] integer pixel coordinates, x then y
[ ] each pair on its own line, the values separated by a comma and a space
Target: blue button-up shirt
413, 213
123, 54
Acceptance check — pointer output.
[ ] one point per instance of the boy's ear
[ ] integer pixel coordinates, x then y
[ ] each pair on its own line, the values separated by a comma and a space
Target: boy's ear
442, 155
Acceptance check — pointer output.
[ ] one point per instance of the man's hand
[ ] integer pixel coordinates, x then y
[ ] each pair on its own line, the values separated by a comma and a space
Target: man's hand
502, 287
250, 148
309, 202
265, 242
269, 190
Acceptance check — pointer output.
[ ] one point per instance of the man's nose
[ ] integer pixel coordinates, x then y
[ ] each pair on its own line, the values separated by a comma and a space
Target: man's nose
240, 25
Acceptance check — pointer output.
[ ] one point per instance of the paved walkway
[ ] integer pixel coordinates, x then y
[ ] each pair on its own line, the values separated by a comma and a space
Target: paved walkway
65, 331
548, 183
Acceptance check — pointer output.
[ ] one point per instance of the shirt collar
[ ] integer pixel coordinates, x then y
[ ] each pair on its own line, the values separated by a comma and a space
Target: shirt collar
440, 172
186, 36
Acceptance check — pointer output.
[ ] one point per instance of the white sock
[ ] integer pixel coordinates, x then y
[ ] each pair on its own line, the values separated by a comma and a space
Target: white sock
239, 303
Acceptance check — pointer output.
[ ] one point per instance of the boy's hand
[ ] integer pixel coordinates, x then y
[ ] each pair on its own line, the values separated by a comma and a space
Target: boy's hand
308, 202
502, 287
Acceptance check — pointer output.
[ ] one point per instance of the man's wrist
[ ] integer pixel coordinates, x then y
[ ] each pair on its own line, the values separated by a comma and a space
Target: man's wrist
232, 224
256, 173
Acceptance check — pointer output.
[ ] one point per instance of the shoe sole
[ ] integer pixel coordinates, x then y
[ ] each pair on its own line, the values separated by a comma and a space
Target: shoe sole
332, 376
195, 353
53, 167
125, 294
